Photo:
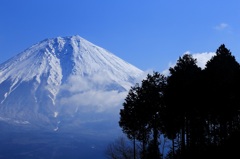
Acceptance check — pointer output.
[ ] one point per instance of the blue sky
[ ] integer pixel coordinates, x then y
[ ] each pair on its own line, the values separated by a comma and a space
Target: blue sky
148, 34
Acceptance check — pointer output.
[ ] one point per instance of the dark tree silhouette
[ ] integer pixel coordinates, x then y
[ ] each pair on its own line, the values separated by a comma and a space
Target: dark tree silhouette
180, 95
129, 117
199, 110
205, 126
119, 149
222, 76
152, 100
140, 117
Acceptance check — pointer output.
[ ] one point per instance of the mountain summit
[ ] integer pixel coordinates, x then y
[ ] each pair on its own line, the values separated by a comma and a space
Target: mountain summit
62, 77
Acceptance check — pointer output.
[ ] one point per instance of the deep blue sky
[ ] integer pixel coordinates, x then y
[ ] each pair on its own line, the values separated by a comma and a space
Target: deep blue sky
148, 34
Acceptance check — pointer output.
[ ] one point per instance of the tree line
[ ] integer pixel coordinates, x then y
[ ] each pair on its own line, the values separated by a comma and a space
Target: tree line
197, 109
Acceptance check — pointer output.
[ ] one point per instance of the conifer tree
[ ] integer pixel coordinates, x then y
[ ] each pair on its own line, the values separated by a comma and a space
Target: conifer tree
140, 117
180, 93
221, 75
130, 121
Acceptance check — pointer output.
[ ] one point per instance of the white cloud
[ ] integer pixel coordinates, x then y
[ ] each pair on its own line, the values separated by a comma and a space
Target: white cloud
221, 26
76, 83
93, 101
166, 71
143, 76
202, 59
90, 94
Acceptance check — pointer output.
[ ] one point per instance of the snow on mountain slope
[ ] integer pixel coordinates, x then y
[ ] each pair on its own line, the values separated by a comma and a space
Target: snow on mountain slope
62, 76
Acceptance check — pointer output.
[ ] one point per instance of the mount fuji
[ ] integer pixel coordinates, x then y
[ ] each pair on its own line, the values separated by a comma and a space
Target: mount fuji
64, 84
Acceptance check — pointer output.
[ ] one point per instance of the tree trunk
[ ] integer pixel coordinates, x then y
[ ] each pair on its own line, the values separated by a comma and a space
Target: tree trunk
134, 148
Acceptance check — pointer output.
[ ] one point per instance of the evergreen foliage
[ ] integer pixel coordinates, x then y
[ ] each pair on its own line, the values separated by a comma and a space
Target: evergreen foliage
140, 117
197, 109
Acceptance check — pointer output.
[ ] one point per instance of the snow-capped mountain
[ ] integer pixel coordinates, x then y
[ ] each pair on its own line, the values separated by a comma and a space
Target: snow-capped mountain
61, 78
